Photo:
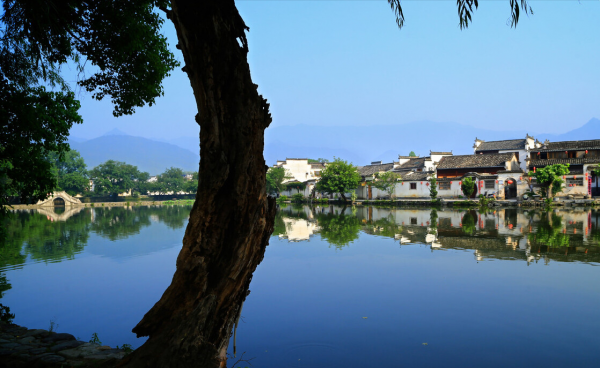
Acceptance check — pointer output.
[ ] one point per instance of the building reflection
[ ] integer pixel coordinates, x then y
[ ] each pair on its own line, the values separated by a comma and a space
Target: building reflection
532, 236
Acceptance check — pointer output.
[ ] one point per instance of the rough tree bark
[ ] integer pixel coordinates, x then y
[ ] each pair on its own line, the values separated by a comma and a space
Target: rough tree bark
232, 218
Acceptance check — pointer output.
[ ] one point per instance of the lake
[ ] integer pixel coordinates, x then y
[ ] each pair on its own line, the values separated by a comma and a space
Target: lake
338, 287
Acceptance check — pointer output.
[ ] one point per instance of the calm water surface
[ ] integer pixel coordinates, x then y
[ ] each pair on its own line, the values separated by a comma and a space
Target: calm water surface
338, 287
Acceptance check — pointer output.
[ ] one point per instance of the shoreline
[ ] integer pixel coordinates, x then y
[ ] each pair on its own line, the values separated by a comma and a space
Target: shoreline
23, 347
105, 204
456, 203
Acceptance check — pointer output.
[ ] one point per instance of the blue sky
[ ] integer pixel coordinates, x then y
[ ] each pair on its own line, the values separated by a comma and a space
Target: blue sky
345, 63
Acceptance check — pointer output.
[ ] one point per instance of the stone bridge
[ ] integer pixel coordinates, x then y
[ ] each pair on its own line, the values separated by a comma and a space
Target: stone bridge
59, 199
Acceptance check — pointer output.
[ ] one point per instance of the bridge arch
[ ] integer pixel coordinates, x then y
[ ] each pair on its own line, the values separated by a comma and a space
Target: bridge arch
59, 199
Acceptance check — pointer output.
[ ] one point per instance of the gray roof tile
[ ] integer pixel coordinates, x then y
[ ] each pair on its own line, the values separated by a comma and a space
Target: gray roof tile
510, 144
474, 161
569, 145
373, 169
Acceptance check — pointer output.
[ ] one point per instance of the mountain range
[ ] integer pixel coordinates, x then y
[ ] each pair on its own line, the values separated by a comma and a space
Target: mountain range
147, 154
357, 144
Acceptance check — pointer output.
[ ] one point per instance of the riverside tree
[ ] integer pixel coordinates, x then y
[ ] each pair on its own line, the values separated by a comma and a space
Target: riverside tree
232, 219
171, 181
433, 192
70, 172
115, 177
549, 178
338, 177
467, 186
386, 182
275, 178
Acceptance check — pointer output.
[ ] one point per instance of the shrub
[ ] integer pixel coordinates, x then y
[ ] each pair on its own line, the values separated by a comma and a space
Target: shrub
297, 198
5, 315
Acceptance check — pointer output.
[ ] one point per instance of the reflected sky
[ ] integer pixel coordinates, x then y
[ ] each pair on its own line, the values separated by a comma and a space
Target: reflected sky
353, 287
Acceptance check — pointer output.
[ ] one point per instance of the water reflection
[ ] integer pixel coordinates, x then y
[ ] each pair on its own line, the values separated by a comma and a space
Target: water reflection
43, 235
507, 234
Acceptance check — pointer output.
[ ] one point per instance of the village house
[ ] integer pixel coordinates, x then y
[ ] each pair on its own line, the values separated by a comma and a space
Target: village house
414, 172
304, 174
368, 173
494, 173
520, 147
583, 158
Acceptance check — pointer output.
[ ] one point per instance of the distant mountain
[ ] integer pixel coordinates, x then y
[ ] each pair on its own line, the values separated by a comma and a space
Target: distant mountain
148, 155
363, 144
358, 144
115, 131
590, 130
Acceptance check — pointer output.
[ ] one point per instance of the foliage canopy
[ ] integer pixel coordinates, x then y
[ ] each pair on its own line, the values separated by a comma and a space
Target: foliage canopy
386, 182
70, 172
551, 176
275, 178
338, 177
467, 186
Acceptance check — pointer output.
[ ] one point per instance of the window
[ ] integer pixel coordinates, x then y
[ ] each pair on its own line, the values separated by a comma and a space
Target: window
444, 185
490, 184
413, 220
445, 222
413, 186
574, 182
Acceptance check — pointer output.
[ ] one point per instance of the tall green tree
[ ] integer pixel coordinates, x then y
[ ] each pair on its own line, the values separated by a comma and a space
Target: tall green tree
433, 192
549, 178
115, 177
70, 171
386, 182
171, 181
275, 178
36, 38
467, 186
338, 177
191, 186
412, 154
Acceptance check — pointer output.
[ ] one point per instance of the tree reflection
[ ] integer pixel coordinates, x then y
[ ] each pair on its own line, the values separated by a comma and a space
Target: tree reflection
42, 238
385, 226
119, 222
549, 231
33, 234
468, 222
339, 230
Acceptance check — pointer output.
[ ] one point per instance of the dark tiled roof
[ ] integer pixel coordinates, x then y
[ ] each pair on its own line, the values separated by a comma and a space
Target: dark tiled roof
408, 156
318, 165
413, 163
510, 171
474, 161
572, 161
415, 176
439, 153
511, 144
372, 169
569, 145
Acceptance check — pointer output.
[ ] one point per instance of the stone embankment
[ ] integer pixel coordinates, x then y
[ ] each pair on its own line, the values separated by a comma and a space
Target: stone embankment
22, 347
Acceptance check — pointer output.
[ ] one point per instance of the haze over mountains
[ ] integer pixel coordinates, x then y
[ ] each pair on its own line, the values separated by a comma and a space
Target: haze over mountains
148, 155
357, 144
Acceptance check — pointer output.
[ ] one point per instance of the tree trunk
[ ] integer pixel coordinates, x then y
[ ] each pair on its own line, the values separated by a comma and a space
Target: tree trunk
343, 196
232, 218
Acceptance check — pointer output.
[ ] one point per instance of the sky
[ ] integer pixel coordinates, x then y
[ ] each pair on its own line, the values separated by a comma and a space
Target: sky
346, 63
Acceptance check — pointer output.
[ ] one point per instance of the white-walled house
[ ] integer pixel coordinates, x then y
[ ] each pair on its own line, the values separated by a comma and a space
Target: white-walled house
302, 172
497, 174
583, 158
520, 147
